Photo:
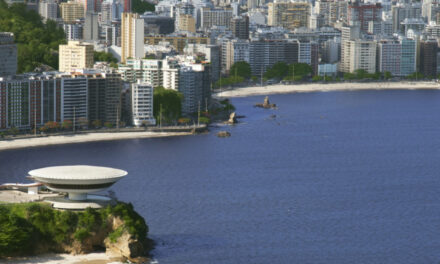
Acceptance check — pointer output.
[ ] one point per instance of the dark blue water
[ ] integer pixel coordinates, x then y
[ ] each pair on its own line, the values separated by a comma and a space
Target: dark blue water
341, 177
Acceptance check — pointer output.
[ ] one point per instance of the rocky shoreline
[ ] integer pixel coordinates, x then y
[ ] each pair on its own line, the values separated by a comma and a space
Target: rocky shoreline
32, 229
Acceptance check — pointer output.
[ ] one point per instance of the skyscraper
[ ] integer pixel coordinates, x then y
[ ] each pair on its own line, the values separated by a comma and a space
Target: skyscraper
91, 27
289, 15
132, 36
142, 104
71, 11
8, 54
240, 27
48, 9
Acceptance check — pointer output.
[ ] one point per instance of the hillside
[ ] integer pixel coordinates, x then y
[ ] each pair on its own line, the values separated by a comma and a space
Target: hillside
37, 42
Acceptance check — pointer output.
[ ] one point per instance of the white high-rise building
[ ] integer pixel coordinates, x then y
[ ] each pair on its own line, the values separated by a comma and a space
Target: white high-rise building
142, 104
132, 37
48, 9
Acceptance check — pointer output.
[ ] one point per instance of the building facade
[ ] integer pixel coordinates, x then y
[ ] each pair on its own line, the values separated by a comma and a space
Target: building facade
75, 55
132, 37
142, 104
8, 54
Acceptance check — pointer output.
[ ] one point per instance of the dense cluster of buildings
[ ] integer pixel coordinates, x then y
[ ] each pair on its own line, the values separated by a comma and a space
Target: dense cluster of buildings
186, 45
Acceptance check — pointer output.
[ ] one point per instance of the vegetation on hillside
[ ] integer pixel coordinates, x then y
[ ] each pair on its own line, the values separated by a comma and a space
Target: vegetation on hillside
141, 6
37, 42
169, 103
31, 228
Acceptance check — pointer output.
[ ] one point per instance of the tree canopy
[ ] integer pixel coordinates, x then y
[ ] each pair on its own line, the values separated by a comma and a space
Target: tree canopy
360, 74
169, 102
140, 6
37, 42
240, 68
278, 70
104, 56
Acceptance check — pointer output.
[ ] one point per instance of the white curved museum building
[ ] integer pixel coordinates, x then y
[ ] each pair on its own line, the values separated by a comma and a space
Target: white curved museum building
77, 180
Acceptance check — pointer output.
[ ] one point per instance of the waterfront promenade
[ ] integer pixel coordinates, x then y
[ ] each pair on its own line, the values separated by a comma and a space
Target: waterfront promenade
325, 87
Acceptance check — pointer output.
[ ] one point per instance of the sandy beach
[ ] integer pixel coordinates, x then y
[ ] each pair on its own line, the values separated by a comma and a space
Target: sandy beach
81, 138
92, 258
325, 87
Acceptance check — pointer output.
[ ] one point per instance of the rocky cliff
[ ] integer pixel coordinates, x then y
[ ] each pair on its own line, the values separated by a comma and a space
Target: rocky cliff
35, 228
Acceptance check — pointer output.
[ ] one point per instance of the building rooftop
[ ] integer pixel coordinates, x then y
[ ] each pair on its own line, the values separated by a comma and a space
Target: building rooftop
77, 172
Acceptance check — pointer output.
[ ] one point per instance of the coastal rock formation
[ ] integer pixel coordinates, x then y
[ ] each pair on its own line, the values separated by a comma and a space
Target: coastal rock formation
266, 104
232, 118
125, 245
223, 134
36, 228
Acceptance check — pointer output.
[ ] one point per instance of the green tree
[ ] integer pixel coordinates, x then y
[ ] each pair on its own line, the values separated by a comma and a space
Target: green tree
298, 71
141, 6
168, 102
241, 68
96, 123
387, 75
108, 125
104, 56
66, 125
278, 70
317, 78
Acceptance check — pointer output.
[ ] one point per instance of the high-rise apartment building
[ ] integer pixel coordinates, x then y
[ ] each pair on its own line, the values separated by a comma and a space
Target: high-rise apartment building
389, 56
402, 11
187, 23
74, 105
132, 36
233, 51
75, 55
359, 55
195, 85
212, 55
71, 11
73, 31
104, 96
142, 104
363, 13
91, 27
265, 53
308, 53
48, 9
408, 60
8, 54
428, 57
289, 15
347, 34
240, 27
397, 56
216, 17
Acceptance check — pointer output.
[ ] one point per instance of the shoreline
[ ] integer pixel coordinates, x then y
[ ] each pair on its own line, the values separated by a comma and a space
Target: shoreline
325, 87
53, 258
83, 138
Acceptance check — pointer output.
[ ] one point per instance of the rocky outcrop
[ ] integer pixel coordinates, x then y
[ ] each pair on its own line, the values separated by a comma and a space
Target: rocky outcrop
118, 229
223, 134
266, 104
125, 245
232, 118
